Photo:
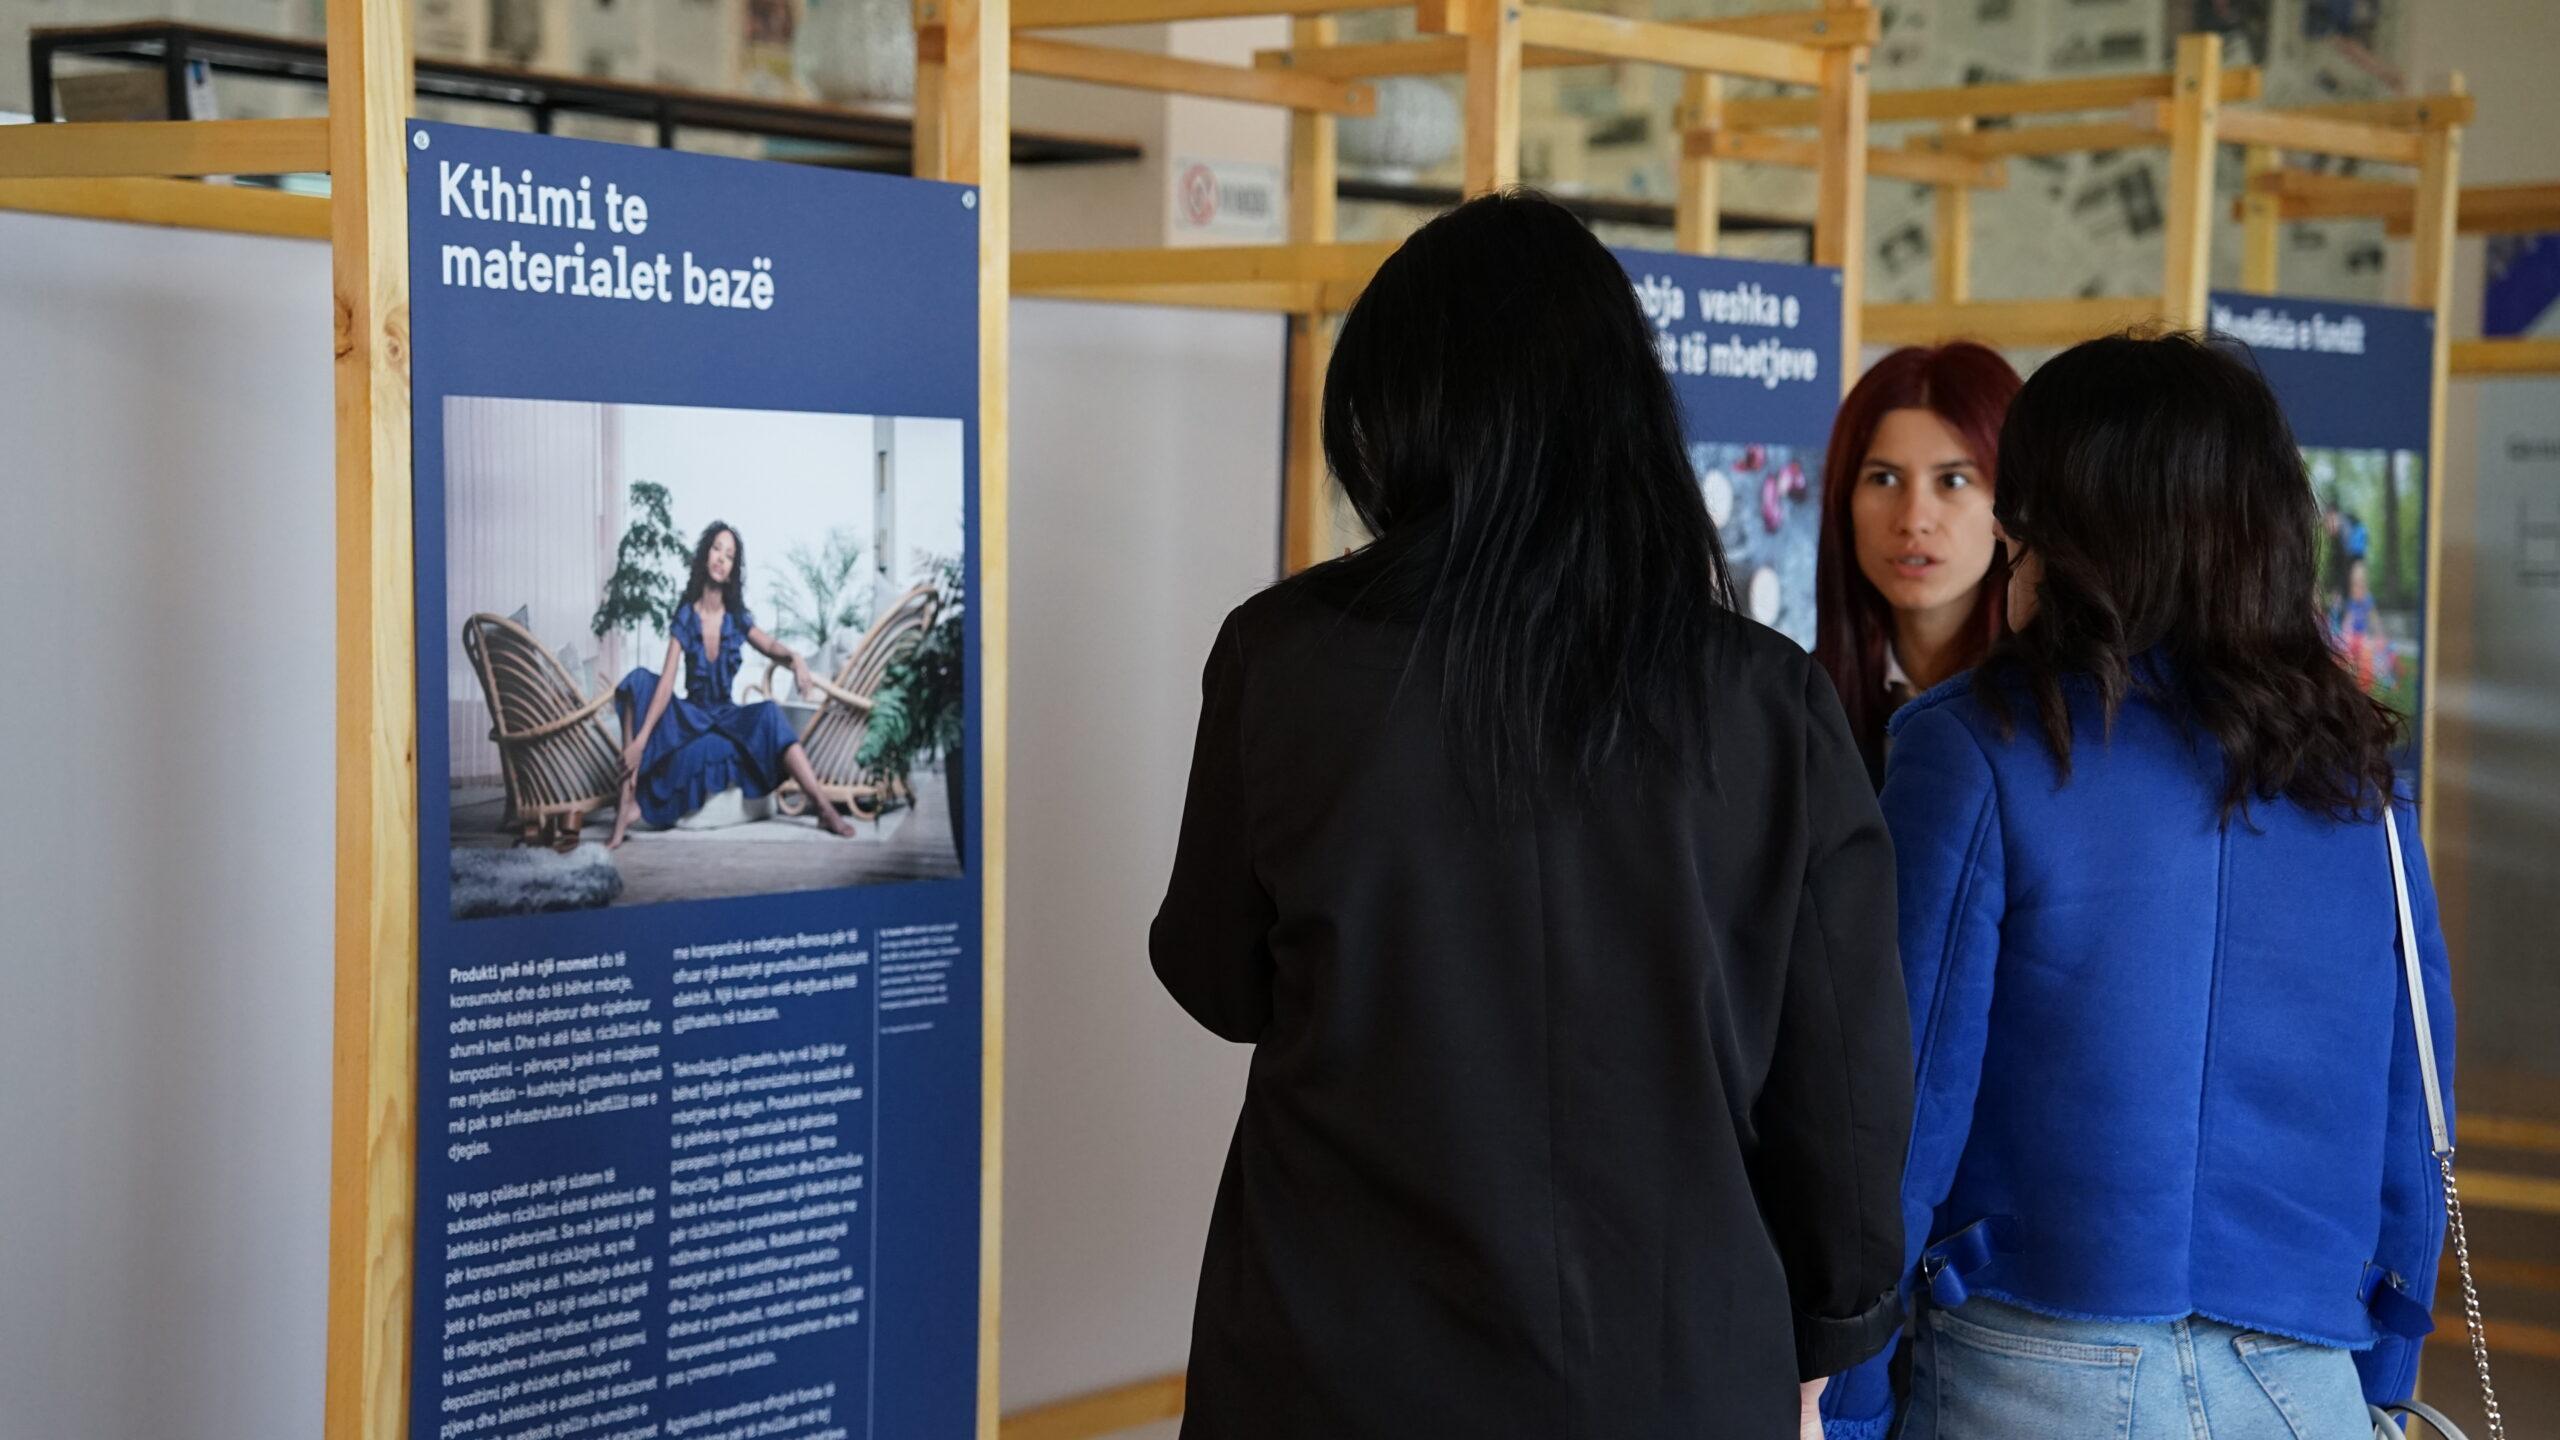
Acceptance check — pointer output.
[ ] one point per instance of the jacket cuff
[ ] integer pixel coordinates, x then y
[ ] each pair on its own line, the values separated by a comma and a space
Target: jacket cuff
1825, 1346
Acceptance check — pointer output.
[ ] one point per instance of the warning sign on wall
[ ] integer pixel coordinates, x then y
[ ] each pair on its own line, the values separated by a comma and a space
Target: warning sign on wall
1230, 200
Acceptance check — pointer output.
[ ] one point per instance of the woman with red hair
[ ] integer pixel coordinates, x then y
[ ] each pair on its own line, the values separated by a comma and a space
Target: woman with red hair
1909, 577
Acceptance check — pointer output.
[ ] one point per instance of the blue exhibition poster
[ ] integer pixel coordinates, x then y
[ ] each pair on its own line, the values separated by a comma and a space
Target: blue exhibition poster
699, 1017
2356, 385
1753, 352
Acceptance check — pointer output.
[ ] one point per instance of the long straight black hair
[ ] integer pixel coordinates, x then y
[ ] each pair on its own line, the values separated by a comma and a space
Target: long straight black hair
1498, 416
2159, 485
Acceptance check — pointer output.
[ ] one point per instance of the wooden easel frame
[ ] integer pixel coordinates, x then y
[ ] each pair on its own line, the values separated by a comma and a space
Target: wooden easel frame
122, 172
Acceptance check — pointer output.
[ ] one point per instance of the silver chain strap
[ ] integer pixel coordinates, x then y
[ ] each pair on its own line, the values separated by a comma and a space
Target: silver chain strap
2470, 1298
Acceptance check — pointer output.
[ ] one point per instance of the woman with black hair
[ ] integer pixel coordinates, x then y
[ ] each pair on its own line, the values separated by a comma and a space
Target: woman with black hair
679, 750
2170, 1166
1555, 902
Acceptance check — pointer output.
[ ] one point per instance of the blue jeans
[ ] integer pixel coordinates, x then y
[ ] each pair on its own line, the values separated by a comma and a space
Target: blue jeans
1988, 1371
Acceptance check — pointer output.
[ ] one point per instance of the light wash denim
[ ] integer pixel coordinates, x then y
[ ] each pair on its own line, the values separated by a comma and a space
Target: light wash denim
1988, 1371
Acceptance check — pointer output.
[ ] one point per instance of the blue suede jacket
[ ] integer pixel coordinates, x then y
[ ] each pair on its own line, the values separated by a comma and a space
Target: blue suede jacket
2165, 1062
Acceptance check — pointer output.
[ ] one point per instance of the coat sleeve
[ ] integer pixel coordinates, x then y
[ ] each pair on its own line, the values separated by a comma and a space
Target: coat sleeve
1211, 938
1941, 805
1832, 1117
2413, 1218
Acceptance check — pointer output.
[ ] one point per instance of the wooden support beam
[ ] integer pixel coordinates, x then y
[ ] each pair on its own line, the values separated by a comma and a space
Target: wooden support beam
1173, 75
2411, 112
1053, 271
1492, 147
2066, 139
1266, 297
1447, 54
1105, 1412
2484, 209
164, 147
1066, 14
1698, 182
2008, 322
2307, 134
2194, 119
1924, 167
2446, 647
2261, 224
1951, 253
1840, 195
1987, 102
2493, 358
373, 1097
178, 204
1680, 46
1306, 506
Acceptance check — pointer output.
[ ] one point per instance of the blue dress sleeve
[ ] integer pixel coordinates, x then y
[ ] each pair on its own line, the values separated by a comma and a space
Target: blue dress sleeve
2413, 1219
1942, 805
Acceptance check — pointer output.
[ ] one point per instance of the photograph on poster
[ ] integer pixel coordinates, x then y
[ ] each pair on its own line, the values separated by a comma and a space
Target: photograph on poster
668, 625
1766, 501
2372, 503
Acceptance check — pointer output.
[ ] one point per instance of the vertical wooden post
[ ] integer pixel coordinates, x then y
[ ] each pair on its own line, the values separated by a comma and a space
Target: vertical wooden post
373, 1063
1306, 509
976, 109
2195, 112
1696, 213
932, 50
1493, 94
1952, 258
1840, 211
2446, 647
2261, 223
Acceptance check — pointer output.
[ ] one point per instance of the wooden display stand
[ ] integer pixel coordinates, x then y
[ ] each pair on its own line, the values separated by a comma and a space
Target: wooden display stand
123, 172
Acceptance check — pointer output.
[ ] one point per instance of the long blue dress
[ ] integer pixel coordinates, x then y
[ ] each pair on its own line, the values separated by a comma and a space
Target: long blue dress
704, 743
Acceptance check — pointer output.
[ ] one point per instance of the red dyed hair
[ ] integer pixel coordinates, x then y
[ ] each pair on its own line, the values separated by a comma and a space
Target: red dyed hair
1969, 387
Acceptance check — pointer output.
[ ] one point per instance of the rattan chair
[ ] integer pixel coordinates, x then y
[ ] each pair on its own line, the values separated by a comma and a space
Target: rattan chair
835, 737
559, 760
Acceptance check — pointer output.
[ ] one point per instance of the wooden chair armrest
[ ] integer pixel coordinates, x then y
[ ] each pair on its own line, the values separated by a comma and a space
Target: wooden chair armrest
834, 691
578, 716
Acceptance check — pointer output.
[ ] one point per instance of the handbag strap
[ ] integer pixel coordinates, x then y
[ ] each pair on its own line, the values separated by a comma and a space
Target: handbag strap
2439, 1137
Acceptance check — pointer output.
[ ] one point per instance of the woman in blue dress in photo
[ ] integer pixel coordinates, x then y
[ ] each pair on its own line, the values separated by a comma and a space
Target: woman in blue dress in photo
680, 748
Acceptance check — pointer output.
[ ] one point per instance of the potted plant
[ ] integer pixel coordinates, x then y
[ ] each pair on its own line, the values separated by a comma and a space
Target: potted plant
822, 605
649, 567
920, 709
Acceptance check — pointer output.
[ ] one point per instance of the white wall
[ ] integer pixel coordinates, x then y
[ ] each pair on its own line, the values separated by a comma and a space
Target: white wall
1146, 485
165, 754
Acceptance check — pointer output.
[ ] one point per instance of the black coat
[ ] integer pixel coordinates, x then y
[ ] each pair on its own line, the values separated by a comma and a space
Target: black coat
1581, 1126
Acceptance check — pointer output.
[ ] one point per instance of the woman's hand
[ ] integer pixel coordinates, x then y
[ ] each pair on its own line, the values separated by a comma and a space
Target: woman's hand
801, 680
1809, 1413
631, 761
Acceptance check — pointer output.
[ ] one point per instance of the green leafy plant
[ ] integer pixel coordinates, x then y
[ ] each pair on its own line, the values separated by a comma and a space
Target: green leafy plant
649, 567
918, 708
821, 599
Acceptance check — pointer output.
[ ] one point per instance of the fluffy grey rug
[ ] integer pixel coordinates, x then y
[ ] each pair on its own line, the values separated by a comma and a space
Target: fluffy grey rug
530, 880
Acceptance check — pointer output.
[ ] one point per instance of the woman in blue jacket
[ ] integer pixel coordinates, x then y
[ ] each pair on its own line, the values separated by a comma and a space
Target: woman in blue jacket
2169, 1160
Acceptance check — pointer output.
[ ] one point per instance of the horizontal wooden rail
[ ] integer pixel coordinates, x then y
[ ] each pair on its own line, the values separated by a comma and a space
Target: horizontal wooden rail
2304, 134
2509, 1132
1447, 54
1759, 148
177, 204
1054, 271
164, 147
1173, 75
2008, 322
2411, 112
1982, 102
1105, 1412
1271, 297
1679, 46
2075, 138
2496, 1190
1062, 14
2531, 356
2481, 210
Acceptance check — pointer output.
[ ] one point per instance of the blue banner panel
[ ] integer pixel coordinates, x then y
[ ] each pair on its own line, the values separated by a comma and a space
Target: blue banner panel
696, 462
2355, 382
1753, 352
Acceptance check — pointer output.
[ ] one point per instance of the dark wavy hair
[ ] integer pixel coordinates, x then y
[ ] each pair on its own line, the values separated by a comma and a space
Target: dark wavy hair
733, 595
1968, 386
2157, 481
1497, 414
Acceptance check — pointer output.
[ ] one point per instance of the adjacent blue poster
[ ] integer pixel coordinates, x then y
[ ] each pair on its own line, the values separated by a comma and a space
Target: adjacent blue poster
2356, 383
696, 458
1753, 351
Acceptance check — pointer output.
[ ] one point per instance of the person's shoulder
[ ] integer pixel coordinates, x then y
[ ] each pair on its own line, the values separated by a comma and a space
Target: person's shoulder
1957, 700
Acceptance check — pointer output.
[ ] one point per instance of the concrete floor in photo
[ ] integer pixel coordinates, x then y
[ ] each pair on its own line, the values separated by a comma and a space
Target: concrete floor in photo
759, 857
